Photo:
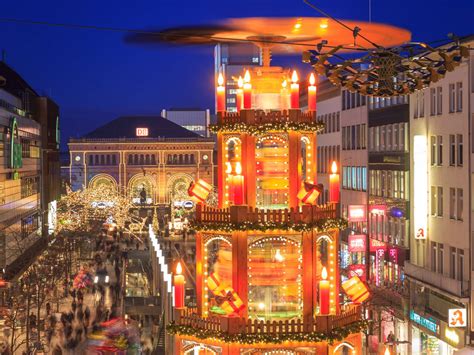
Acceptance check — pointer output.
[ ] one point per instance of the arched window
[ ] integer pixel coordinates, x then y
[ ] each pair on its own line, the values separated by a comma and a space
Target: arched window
96, 159
108, 159
175, 159
186, 159
192, 158
135, 159
142, 159
153, 159
304, 158
91, 160
102, 159
147, 159
114, 159
170, 160
180, 159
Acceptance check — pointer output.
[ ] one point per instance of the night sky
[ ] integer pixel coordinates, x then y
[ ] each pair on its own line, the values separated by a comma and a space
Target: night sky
95, 76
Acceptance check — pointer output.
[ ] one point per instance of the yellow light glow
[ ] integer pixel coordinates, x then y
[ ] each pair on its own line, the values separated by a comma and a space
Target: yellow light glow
324, 273
278, 256
294, 77
228, 169
261, 306
220, 79
324, 24
179, 269
334, 167
284, 84
240, 82
247, 77
312, 79
238, 168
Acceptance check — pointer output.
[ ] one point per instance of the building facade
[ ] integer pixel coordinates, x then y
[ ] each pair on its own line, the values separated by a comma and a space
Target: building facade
24, 192
195, 120
150, 158
439, 270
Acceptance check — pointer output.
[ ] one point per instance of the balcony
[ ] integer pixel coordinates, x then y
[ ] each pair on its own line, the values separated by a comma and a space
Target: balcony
239, 325
261, 117
239, 214
442, 282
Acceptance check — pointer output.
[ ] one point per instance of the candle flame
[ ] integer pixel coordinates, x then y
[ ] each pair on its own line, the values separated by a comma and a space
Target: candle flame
387, 351
229, 168
334, 167
284, 84
294, 77
220, 79
312, 79
278, 256
240, 82
324, 273
238, 168
179, 269
247, 77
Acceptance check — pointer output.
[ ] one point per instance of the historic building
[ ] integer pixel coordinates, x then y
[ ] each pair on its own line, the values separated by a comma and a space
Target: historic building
29, 174
150, 158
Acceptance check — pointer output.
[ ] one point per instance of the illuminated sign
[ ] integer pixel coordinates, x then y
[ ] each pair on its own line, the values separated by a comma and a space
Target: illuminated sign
357, 270
420, 193
428, 323
141, 132
52, 217
357, 213
457, 317
377, 244
451, 335
378, 210
357, 243
16, 160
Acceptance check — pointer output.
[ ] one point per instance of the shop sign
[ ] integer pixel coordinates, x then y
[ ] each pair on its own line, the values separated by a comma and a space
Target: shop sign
185, 204
141, 132
16, 159
357, 243
451, 335
378, 210
357, 270
376, 245
428, 323
357, 213
457, 317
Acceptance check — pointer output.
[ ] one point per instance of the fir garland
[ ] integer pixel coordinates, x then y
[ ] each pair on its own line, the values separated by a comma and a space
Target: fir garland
321, 225
336, 334
259, 129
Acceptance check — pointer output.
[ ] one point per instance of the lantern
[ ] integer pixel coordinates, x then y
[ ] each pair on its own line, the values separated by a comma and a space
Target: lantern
309, 193
356, 290
200, 190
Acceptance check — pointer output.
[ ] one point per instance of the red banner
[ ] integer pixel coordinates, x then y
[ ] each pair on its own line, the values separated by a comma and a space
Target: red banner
357, 213
357, 243
377, 244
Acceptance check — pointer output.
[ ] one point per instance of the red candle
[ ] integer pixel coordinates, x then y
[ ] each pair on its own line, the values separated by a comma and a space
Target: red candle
247, 91
284, 96
324, 293
238, 185
240, 94
179, 287
312, 93
220, 93
334, 184
295, 90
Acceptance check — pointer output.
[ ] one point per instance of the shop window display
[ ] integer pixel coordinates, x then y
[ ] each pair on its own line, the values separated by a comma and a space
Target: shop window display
275, 278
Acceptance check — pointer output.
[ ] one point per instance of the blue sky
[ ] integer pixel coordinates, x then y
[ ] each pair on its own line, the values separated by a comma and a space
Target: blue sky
94, 76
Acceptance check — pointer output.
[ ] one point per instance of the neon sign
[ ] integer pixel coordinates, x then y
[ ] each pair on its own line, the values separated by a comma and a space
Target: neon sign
378, 210
16, 160
357, 213
457, 317
428, 323
420, 175
377, 244
357, 243
141, 132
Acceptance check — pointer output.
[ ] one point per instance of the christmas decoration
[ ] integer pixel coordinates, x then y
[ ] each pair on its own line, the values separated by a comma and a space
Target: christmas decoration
357, 290
261, 129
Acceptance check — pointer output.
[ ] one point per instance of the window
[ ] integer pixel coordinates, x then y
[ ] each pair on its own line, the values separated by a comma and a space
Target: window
439, 100
459, 96
452, 98
440, 201
459, 209
422, 103
382, 138
440, 150
440, 258
433, 200
338, 121
396, 137
29, 186
433, 101
364, 179
460, 149
452, 150
452, 203
460, 265
433, 150
433, 256
452, 262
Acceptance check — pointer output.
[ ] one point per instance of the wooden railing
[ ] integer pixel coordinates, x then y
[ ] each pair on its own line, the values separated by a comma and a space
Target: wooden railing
260, 116
237, 325
238, 214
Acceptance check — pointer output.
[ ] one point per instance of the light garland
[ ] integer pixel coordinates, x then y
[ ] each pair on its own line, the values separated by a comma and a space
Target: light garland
322, 225
260, 129
336, 334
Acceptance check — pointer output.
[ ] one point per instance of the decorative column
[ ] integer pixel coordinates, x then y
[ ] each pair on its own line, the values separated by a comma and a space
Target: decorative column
199, 274
294, 159
221, 170
308, 280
